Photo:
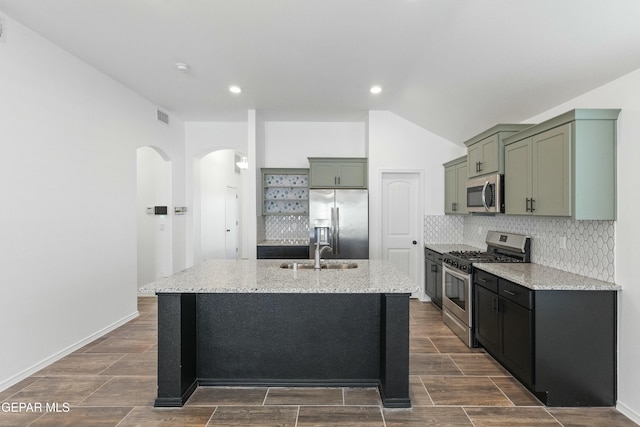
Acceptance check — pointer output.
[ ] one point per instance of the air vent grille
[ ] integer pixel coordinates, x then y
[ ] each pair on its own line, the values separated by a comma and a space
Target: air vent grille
163, 117
2, 29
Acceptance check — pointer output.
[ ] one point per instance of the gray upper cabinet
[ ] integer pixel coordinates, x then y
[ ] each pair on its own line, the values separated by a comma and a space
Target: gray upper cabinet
485, 151
330, 172
455, 180
564, 167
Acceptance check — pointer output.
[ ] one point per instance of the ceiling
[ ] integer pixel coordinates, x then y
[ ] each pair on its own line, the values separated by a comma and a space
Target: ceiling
454, 67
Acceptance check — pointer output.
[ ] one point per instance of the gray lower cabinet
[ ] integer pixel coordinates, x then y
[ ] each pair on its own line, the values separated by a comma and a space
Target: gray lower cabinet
565, 167
504, 326
433, 276
327, 172
561, 344
455, 181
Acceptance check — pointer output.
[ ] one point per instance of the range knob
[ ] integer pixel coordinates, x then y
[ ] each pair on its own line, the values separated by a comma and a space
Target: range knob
463, 267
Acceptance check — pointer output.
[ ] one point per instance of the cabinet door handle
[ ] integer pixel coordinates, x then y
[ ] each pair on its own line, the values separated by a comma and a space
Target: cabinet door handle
527, 209
513, 294
532, 208
454, 207
479, 166
494, 304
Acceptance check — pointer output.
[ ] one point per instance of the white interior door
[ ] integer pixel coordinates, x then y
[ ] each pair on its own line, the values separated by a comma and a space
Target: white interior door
231, 223
402, 222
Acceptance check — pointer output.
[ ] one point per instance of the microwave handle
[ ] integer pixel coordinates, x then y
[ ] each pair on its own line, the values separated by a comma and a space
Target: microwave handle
484, 198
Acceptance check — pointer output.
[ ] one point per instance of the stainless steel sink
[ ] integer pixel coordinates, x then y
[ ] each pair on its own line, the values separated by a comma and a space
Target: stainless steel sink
329, 266
300, 266
341, 266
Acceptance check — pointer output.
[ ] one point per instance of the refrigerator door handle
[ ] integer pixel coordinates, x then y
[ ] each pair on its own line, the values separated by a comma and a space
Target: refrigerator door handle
332, 242
336, 249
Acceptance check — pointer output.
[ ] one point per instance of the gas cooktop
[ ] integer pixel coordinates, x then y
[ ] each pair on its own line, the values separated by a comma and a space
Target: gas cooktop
501, 247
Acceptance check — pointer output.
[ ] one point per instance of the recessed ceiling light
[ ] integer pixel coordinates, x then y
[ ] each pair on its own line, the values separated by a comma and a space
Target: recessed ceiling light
375, 89
182, 67
235, 89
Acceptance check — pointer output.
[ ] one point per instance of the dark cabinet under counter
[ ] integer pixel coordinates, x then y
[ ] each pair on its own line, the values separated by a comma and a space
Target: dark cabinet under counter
283, 252
433, 276
560, 343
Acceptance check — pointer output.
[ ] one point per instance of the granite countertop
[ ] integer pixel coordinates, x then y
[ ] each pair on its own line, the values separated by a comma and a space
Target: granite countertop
285, 242
540, 277
442, 248
266, 276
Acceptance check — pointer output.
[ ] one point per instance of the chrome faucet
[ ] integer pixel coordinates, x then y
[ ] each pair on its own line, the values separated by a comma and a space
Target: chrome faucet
318, 255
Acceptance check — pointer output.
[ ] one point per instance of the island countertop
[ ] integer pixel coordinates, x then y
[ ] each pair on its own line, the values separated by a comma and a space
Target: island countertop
266, 276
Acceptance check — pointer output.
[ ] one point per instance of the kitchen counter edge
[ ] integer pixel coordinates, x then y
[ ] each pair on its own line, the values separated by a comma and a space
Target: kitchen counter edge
266, 276
283, 243
539, 277
442, 248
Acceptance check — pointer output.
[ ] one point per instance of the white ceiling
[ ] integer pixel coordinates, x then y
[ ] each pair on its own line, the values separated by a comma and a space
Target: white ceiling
455, 67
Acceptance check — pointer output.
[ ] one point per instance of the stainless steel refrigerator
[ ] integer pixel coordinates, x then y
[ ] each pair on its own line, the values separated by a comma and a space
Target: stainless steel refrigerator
340, 219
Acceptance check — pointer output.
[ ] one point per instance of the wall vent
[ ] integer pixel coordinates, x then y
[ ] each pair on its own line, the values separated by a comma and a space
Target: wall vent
163, 117
2, 29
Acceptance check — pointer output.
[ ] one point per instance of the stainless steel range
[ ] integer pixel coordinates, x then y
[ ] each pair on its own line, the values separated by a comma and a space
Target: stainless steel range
457, 277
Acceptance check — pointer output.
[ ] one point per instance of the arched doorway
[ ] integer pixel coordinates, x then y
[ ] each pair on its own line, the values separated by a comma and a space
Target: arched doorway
154, 228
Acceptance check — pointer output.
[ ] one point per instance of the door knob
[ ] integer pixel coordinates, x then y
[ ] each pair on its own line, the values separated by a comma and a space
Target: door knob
415, 243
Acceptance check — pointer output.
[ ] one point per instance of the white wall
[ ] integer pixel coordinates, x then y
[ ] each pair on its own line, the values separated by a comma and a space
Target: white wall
398, 144
202, 138
288, 144
622, 93
154, 231
69, 136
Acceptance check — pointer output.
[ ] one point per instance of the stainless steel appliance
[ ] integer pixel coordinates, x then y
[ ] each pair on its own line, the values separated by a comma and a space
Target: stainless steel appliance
457, 277
340, 219
486, 194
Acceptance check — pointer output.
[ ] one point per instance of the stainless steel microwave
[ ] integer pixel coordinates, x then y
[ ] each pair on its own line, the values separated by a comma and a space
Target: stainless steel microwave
486, 194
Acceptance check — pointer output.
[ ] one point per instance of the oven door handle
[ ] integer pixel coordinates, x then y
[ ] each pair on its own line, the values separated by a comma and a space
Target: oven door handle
446, 269
484, 196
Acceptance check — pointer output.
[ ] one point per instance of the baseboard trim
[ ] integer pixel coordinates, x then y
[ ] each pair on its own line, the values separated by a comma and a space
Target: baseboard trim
628, 412
64, 352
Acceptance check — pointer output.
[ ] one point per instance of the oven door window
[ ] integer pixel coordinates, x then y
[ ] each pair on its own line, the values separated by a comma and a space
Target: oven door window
455, 290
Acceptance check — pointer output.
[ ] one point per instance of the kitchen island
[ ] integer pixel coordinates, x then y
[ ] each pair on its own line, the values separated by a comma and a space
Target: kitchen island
253, 323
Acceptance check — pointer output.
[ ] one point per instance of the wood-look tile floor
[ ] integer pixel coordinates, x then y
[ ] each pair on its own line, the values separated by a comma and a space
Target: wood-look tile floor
112, 382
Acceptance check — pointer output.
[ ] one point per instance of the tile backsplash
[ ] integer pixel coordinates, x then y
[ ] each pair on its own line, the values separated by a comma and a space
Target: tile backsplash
443, 229
286, 227
581, 247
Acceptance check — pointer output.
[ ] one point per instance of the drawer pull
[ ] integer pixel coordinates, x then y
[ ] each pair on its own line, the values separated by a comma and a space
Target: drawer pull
513, 294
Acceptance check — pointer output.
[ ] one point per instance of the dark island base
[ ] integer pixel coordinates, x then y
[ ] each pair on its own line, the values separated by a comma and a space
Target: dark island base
303, 340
